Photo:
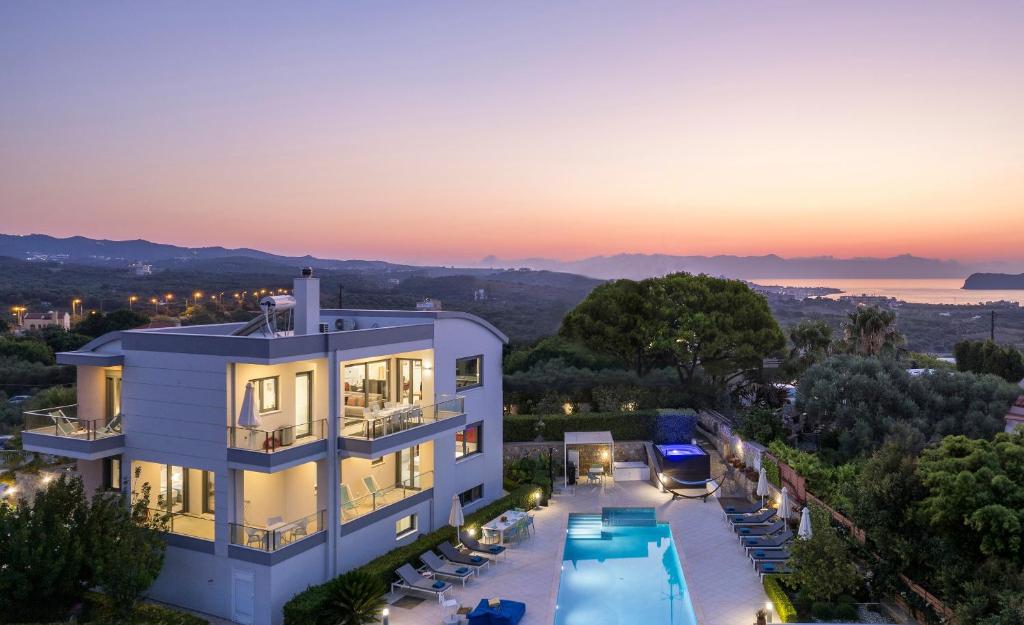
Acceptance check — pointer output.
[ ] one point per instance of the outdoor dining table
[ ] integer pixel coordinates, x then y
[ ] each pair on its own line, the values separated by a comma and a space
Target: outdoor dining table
497, 525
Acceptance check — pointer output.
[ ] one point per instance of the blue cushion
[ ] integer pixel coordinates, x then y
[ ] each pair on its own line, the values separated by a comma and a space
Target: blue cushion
439, 584
508, 613
476, 558
496, 549
462, 570
759, 554
744, 530
768, 566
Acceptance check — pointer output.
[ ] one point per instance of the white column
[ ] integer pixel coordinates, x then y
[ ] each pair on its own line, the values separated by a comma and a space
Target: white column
333, 481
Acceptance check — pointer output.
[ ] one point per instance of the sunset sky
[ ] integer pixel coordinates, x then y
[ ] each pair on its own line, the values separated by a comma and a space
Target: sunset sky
447, 131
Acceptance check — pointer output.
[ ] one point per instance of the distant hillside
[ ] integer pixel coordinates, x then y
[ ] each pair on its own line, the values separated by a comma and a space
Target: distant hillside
639, 266
994, 281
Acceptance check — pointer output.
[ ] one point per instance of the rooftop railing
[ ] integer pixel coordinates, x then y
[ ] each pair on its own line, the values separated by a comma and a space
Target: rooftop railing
274, 439
393, 419
63, 421
278, 533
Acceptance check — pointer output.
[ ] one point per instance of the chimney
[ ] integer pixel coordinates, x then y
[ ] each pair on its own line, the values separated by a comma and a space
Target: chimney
306, 291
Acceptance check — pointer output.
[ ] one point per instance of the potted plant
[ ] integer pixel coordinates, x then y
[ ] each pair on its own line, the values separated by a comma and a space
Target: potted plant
762, 616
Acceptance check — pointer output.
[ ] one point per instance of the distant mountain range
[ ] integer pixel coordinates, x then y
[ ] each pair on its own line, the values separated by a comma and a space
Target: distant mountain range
638, 266
994, 281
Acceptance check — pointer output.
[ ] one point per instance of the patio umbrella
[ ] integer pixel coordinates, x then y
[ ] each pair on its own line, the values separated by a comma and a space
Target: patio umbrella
455, 517
784, 504
247, 416
805, 524
762, 485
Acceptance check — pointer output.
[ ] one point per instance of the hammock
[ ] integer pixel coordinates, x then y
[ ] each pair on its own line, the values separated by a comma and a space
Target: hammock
686, 484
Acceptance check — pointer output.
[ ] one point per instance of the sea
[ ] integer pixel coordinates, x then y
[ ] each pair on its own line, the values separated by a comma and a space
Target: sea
911, 290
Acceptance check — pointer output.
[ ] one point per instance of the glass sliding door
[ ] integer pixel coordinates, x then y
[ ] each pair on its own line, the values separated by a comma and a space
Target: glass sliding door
410, 381
303, 403
174, 489
366, 387
409, 467
208, 500
112, 406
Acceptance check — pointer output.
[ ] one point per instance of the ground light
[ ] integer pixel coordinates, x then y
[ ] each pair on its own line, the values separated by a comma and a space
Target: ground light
384, 615
768, 609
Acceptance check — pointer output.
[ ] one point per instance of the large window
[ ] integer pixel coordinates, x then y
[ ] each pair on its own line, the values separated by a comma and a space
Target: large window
303, 403
410, 381
112, 473
473, 494
467, 442
366, 386
267, 394
405, 526
469, 372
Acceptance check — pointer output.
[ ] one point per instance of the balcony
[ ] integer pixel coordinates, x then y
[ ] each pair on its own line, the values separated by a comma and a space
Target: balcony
264, 449
185, 523
60, 431
278, 534
408, 491
386, 429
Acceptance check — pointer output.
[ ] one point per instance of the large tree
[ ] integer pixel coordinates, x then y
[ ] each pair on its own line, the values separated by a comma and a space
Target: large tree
988, 357
811, 341
871, 331
617, 318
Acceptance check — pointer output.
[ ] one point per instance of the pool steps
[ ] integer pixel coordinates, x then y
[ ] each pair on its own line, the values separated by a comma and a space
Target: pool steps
591, 525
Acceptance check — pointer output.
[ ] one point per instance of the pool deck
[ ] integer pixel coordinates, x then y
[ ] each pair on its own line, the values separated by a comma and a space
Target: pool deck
722, 585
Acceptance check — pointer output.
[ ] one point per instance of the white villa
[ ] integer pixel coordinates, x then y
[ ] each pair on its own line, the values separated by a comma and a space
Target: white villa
289, 449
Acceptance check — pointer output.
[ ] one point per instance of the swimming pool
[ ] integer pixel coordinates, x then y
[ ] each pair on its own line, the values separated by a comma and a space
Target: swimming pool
621, 575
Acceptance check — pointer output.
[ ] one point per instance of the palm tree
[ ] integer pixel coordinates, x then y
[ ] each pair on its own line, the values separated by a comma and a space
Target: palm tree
871, 331
354, 598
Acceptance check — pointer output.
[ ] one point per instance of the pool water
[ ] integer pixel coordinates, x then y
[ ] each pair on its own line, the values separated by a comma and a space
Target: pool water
622, 575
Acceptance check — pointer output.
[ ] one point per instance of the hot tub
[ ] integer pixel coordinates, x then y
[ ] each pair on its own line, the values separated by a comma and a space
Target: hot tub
632, 472
684, 463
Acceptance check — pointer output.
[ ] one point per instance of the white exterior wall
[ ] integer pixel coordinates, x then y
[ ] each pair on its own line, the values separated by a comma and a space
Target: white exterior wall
177, 408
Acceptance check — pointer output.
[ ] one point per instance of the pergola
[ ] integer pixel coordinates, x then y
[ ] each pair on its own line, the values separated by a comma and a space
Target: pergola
596, 442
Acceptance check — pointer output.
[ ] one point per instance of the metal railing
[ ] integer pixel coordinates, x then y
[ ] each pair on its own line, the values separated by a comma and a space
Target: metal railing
279, 534
353, 508
274, 439
63, 421
386, 421
185, 523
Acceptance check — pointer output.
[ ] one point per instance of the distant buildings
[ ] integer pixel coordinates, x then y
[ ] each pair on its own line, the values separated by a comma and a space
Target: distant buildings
140, 268
1015, 417
479, 295
38, 321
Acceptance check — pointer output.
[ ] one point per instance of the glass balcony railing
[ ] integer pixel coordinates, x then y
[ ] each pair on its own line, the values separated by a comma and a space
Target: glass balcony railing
277, 534
376, 497
186, 523
64, 421
274, 439
388, 420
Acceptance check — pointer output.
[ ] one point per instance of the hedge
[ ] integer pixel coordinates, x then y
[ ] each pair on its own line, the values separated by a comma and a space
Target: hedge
624, 426
97, 610
307, 607
784, 610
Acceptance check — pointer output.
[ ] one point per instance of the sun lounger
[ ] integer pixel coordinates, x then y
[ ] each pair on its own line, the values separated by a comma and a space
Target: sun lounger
768, 555
739, 507
440, 568
760, 530
411, 580
491, 551
772, 568
758, 518
453, 555
768, 541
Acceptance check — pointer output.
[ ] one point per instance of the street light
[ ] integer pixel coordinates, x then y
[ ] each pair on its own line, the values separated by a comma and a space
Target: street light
75, 302
154, 302
131, 300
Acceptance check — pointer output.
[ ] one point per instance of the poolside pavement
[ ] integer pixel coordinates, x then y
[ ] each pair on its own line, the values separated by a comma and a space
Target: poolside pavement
723, 586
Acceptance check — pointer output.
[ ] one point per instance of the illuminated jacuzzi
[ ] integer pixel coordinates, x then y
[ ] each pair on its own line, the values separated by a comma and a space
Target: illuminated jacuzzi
684, 463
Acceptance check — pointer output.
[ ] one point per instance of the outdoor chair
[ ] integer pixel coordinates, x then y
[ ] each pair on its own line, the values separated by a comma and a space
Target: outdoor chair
411, 580
440, 568
347, 502
474, 546
453, 555
758, 518
113, 426
760, 530
253, 535
374, 489
772, 568
768, 555
767, 541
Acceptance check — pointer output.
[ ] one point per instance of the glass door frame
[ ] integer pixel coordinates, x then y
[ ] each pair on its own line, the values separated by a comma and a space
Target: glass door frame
305, 429
410, 397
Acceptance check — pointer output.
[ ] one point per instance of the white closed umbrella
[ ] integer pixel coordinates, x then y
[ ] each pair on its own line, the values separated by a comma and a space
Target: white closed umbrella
762, 485
805, 524
784, 504
248, 417
455, 517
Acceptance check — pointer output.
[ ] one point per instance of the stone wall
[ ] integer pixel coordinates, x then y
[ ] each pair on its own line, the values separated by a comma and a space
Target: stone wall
625, 451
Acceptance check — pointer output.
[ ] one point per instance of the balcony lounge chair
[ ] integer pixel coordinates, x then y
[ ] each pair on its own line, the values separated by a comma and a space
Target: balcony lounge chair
506, 613
772, 568
347, 502
760, 530
113, 426
768, 555
372, 488
440, 568
768, 541
491, 551
411, 580
453, 555
758, 518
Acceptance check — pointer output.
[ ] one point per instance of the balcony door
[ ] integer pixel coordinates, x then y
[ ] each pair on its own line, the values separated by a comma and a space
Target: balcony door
174, 488
112, 389
409, 467
410, 381
303, 404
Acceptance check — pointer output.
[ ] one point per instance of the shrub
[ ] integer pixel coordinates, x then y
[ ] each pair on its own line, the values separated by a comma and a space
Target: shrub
624, 426
674, 426
822, 566
354, 598
784, 610
307, 607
